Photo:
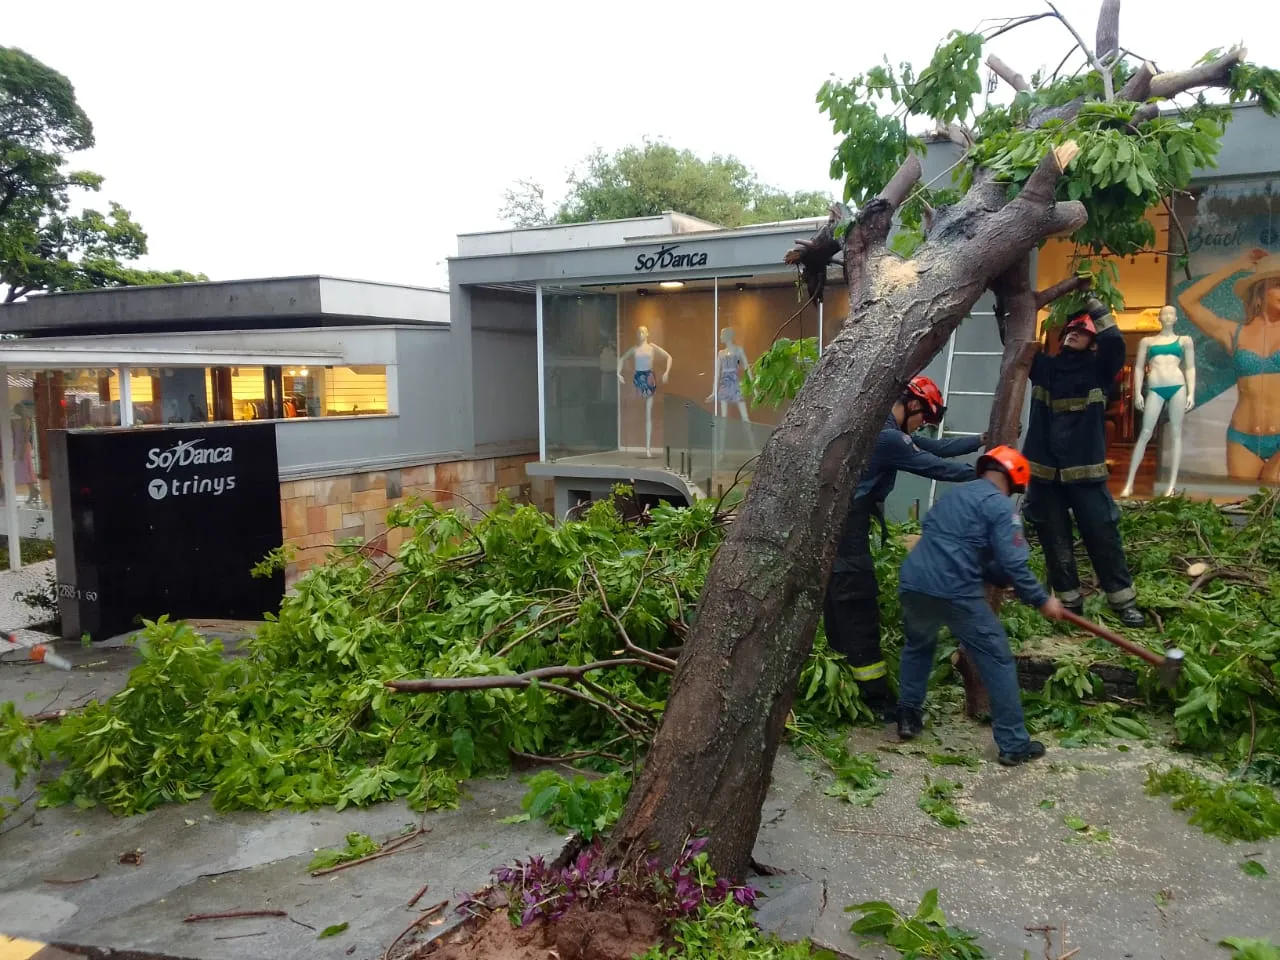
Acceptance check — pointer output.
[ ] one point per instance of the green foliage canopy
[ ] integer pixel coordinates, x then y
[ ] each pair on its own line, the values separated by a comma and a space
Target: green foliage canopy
45, 244
653, 177
1129, 161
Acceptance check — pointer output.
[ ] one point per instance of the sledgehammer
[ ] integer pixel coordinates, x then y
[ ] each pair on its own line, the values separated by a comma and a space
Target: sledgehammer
1167, 667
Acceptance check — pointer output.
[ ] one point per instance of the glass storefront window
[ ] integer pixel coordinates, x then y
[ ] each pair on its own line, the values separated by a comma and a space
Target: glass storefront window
607, 349
580, 351
218, 394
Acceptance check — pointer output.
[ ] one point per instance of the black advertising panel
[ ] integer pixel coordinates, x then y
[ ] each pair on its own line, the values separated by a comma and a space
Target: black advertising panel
155, 521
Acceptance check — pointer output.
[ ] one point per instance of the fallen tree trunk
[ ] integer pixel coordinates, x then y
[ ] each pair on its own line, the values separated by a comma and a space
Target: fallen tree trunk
711, 759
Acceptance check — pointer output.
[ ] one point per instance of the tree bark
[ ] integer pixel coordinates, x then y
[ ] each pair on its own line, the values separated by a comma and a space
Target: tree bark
710, 762
1013, 289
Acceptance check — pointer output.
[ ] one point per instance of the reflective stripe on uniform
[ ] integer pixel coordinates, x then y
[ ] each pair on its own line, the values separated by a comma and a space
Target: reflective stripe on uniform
1088, 471
872, 671
1069, 404
1041, 472
1070, 596
1122, 597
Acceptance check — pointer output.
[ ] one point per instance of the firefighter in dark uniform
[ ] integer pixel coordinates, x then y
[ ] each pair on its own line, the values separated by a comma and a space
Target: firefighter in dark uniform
1066, 447
851, 610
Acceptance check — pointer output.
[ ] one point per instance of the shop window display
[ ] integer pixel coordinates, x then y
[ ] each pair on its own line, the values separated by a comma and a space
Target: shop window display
1230, 308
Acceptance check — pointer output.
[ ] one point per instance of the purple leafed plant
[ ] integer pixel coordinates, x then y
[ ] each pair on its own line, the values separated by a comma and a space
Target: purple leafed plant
532, 889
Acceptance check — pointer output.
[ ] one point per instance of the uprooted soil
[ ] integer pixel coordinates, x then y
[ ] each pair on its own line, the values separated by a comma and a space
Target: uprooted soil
610, 930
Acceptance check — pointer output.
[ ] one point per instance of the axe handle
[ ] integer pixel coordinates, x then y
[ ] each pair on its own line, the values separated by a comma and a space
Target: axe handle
1136, 649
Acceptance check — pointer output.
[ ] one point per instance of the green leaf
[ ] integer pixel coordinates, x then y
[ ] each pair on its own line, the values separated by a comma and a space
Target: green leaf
464, 749
544, 801
1253, 868
333, 930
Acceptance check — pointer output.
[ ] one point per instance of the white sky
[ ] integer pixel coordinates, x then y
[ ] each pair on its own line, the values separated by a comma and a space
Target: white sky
357, 139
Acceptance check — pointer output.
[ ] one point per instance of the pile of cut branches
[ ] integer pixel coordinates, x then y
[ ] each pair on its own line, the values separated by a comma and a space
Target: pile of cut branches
514, 637
517, 637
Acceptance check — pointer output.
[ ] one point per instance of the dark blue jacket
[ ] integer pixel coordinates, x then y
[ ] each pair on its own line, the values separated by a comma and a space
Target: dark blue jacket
925, 457
1066, 430
897, 450
971, 537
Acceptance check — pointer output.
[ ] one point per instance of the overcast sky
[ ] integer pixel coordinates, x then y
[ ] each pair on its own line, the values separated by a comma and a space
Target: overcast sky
358, 139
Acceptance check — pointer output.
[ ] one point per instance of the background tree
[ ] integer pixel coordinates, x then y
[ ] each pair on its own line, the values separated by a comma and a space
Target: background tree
45, 245
641, 181
1084, 156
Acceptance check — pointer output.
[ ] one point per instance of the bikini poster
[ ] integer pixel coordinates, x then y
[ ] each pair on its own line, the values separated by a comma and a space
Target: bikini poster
1231, 309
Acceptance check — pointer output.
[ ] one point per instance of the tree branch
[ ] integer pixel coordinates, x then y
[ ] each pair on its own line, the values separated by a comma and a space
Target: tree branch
496, 681
1103, 72
1107, 47
871, 228
1138, 86
1171, 83
1061, 289
1041, 185
1007, 73
1213, 74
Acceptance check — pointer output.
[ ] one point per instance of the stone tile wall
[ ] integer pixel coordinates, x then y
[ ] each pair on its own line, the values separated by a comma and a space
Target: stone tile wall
316, 514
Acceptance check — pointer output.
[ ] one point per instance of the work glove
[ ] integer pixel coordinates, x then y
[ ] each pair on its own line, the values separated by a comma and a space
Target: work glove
1096, 309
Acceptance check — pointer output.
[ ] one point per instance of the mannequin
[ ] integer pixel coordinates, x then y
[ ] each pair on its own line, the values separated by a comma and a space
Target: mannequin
731, 363
1168, 363
643, 379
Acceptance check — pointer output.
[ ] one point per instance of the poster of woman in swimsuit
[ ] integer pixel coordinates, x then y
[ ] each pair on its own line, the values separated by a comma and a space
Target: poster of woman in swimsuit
1231, 309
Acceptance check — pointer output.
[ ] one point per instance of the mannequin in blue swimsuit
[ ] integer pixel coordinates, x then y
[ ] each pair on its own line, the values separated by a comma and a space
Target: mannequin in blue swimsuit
1166, 365
1253, 438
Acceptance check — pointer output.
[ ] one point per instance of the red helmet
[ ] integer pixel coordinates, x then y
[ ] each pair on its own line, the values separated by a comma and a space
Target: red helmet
926, 390
1080, 322
1010, 462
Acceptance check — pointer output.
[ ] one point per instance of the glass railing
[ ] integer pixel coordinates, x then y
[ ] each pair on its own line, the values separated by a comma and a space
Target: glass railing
712, 451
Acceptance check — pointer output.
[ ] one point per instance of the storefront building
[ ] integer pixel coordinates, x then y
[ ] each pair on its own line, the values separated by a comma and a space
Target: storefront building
1230, 223
359, 380
641, 330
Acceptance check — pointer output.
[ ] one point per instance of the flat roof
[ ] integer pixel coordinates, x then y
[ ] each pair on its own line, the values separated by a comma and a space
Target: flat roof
299, 301
701, 236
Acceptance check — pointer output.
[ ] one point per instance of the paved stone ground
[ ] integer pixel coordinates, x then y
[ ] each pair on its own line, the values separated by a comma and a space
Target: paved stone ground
16, 616
1157, 890
196, 860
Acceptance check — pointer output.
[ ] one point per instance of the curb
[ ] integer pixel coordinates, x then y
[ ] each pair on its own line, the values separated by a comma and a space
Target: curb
15, 948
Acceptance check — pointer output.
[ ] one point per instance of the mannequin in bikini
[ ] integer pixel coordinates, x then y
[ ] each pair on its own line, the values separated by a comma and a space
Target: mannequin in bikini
1168, 364
731, 363
643, 379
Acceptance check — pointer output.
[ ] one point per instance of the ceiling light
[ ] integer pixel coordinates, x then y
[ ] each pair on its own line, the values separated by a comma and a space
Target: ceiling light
671, 284
302, 372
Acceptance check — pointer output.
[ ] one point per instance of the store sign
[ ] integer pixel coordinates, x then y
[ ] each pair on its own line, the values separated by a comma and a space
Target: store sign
186, 455
666, 258
149, 522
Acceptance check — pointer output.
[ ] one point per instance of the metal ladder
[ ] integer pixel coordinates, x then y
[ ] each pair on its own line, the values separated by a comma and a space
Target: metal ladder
948, 393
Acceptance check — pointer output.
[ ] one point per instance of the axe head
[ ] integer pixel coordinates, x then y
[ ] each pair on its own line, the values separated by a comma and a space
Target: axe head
1171, 668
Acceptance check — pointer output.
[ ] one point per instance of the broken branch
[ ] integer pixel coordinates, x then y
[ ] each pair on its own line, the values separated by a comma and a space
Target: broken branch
422, 917
70, 882
395, 846
1167, 85
1061, 289
233, 915
438, 684
1007, 73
